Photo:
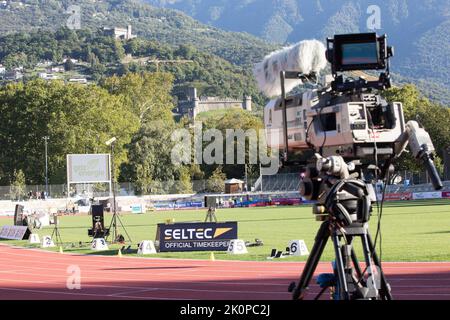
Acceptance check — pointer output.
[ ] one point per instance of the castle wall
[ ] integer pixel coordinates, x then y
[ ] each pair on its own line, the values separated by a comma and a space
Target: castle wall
216, 105
209, 106
195, 105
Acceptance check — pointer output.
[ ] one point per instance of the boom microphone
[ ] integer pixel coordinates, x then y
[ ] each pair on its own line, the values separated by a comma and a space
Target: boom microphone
306, 57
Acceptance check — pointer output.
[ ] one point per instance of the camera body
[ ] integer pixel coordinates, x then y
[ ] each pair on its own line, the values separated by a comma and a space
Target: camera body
346, 117
335, 124
346, 127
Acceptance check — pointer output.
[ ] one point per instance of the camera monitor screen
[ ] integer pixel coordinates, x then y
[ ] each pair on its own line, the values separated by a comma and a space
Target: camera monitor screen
359, 53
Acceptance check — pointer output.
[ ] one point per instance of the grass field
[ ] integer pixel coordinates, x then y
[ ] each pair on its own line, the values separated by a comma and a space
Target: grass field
411, 231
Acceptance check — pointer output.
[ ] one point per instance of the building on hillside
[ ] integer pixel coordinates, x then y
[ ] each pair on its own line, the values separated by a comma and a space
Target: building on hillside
74, 61
44, 64
55, 69
13, 75
12, 4
119, 33
2, 69
193, 104
48, 76
78, 80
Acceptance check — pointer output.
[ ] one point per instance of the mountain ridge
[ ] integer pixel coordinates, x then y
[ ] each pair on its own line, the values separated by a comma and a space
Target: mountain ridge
165, 25
430, 71
417, 29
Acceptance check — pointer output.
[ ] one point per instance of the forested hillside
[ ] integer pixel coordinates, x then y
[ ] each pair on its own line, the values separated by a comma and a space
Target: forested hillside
167, 26
418, 29
103, 56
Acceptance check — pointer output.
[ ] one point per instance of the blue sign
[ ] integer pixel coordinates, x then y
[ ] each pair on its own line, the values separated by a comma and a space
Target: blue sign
137, 208
196, 236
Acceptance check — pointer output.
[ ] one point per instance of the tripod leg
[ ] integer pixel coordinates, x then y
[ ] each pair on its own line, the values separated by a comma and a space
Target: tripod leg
354, 258
55, 233
208, 216
372, 284
311, 264
385, 292
340, 266
59, 236
356, 264
129, 239
112, 230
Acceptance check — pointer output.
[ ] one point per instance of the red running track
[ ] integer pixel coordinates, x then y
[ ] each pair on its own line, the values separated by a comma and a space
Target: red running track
37, 274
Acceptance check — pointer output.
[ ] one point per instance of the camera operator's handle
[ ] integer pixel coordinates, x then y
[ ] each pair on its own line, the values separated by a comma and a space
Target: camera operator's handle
432, 172
421, 147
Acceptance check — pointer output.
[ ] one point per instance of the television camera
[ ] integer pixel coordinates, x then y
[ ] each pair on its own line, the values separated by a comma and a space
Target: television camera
346, 136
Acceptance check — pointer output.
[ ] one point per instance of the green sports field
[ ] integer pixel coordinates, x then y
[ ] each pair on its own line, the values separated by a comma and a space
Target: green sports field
411, 230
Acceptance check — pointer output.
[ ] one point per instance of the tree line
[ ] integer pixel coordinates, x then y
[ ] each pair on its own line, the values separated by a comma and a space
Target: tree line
434, 117
103, 57
135, 108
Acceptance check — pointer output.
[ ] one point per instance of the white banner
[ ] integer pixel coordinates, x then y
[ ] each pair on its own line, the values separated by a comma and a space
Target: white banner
427, 195
88, 168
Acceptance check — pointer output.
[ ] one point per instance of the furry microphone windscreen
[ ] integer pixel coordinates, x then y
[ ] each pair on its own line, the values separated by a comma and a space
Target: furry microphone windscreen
306, 56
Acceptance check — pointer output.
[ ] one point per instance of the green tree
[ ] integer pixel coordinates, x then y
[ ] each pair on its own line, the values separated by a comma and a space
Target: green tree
235, 119
151, 166
184, 185
13, 60
18, 185
69, 65
216, 182
147, 94
433, 117
77, 118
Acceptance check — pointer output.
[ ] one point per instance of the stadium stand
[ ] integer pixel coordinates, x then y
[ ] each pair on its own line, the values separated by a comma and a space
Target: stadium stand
291, 182
415, 188
278, 182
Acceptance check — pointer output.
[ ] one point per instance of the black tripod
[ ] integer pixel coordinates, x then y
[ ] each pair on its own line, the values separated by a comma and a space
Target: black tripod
115, 216
55, 232
350, 282
113, 227
211, 215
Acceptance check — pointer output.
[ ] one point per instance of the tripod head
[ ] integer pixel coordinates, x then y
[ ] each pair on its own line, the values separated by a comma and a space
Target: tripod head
341, 197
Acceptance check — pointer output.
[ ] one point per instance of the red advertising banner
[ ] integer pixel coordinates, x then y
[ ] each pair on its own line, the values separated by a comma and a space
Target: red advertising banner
398, 196
446, 194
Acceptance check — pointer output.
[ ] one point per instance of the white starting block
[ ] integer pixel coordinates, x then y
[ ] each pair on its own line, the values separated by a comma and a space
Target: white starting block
146, 247
298, 248
99, 244
47, 242
237, 246
34, 238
